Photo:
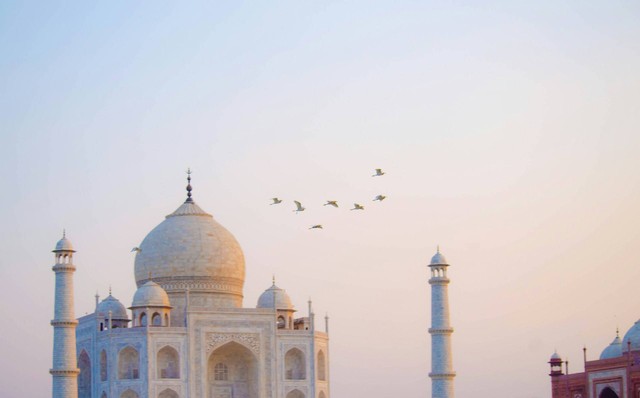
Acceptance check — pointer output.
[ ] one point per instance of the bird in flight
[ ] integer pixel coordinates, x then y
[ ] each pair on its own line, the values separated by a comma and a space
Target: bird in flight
276, 201
299, 207
380, 198
317, 226
378, 173
333, 203
357, 207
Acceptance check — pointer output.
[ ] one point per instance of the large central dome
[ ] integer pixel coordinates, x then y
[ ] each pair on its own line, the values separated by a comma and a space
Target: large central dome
190, 251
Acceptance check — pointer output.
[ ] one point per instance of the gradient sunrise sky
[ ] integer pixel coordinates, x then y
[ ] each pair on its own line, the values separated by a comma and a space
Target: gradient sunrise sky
509, 132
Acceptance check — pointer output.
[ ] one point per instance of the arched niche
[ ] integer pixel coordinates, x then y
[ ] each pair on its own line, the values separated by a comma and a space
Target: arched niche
295, 394
294, 365
232, 368
322, 395
168, 363
168, 393
104, 372
322, 366
128, 363
156, 319
84, 377
129, 394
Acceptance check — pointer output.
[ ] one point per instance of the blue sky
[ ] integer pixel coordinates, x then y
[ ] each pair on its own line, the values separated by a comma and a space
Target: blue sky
509, 132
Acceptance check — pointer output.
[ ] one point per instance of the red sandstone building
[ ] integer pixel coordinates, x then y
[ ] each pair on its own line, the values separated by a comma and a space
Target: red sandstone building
616, 374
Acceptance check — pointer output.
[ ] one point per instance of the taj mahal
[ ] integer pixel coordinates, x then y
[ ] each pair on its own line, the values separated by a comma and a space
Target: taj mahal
187, 333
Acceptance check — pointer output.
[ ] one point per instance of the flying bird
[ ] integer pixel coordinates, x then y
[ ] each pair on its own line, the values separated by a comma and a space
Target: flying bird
333, 203
276, 201
136, 249
380, 198
357, 207
378, 173
299, 207
317, 226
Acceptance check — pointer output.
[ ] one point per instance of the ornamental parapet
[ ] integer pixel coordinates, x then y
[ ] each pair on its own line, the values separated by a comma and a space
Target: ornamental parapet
441, 330
65, 372
64, 323
439, 281
446, 375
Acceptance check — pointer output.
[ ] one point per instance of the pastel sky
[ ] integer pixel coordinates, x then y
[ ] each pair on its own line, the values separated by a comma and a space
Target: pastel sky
509, 132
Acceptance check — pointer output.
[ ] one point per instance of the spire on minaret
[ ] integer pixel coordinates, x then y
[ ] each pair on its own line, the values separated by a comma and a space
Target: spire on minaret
189, 189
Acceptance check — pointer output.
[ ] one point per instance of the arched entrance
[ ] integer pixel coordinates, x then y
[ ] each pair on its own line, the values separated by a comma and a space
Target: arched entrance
232, 371
608, 393
84, 378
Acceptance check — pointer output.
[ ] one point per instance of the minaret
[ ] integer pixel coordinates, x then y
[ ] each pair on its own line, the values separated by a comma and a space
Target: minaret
65, 370
442, 373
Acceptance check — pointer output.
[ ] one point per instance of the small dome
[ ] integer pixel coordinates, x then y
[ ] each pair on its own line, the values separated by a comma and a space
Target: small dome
64, 244
613, 350
555, 356
632, 335
438, 259
150, 295
275, 295
118, 312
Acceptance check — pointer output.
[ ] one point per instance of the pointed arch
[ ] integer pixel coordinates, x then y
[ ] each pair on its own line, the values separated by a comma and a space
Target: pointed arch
608, 393
295, 394
104, 395
168, 363
128, 363
104, 373
322, 366
129, 394
241, 375
143, 319
322, 395
156, 319
295, 365
168, 393
84, 377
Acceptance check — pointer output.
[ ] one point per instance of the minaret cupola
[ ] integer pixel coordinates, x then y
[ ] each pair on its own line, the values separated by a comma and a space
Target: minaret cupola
279, 300
555, 364
151, 306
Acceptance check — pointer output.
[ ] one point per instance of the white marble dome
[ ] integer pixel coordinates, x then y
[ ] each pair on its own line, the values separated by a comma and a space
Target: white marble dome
190, 250
118, 312
613, 350
64, 244
438, 259
150, 295
277, 296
